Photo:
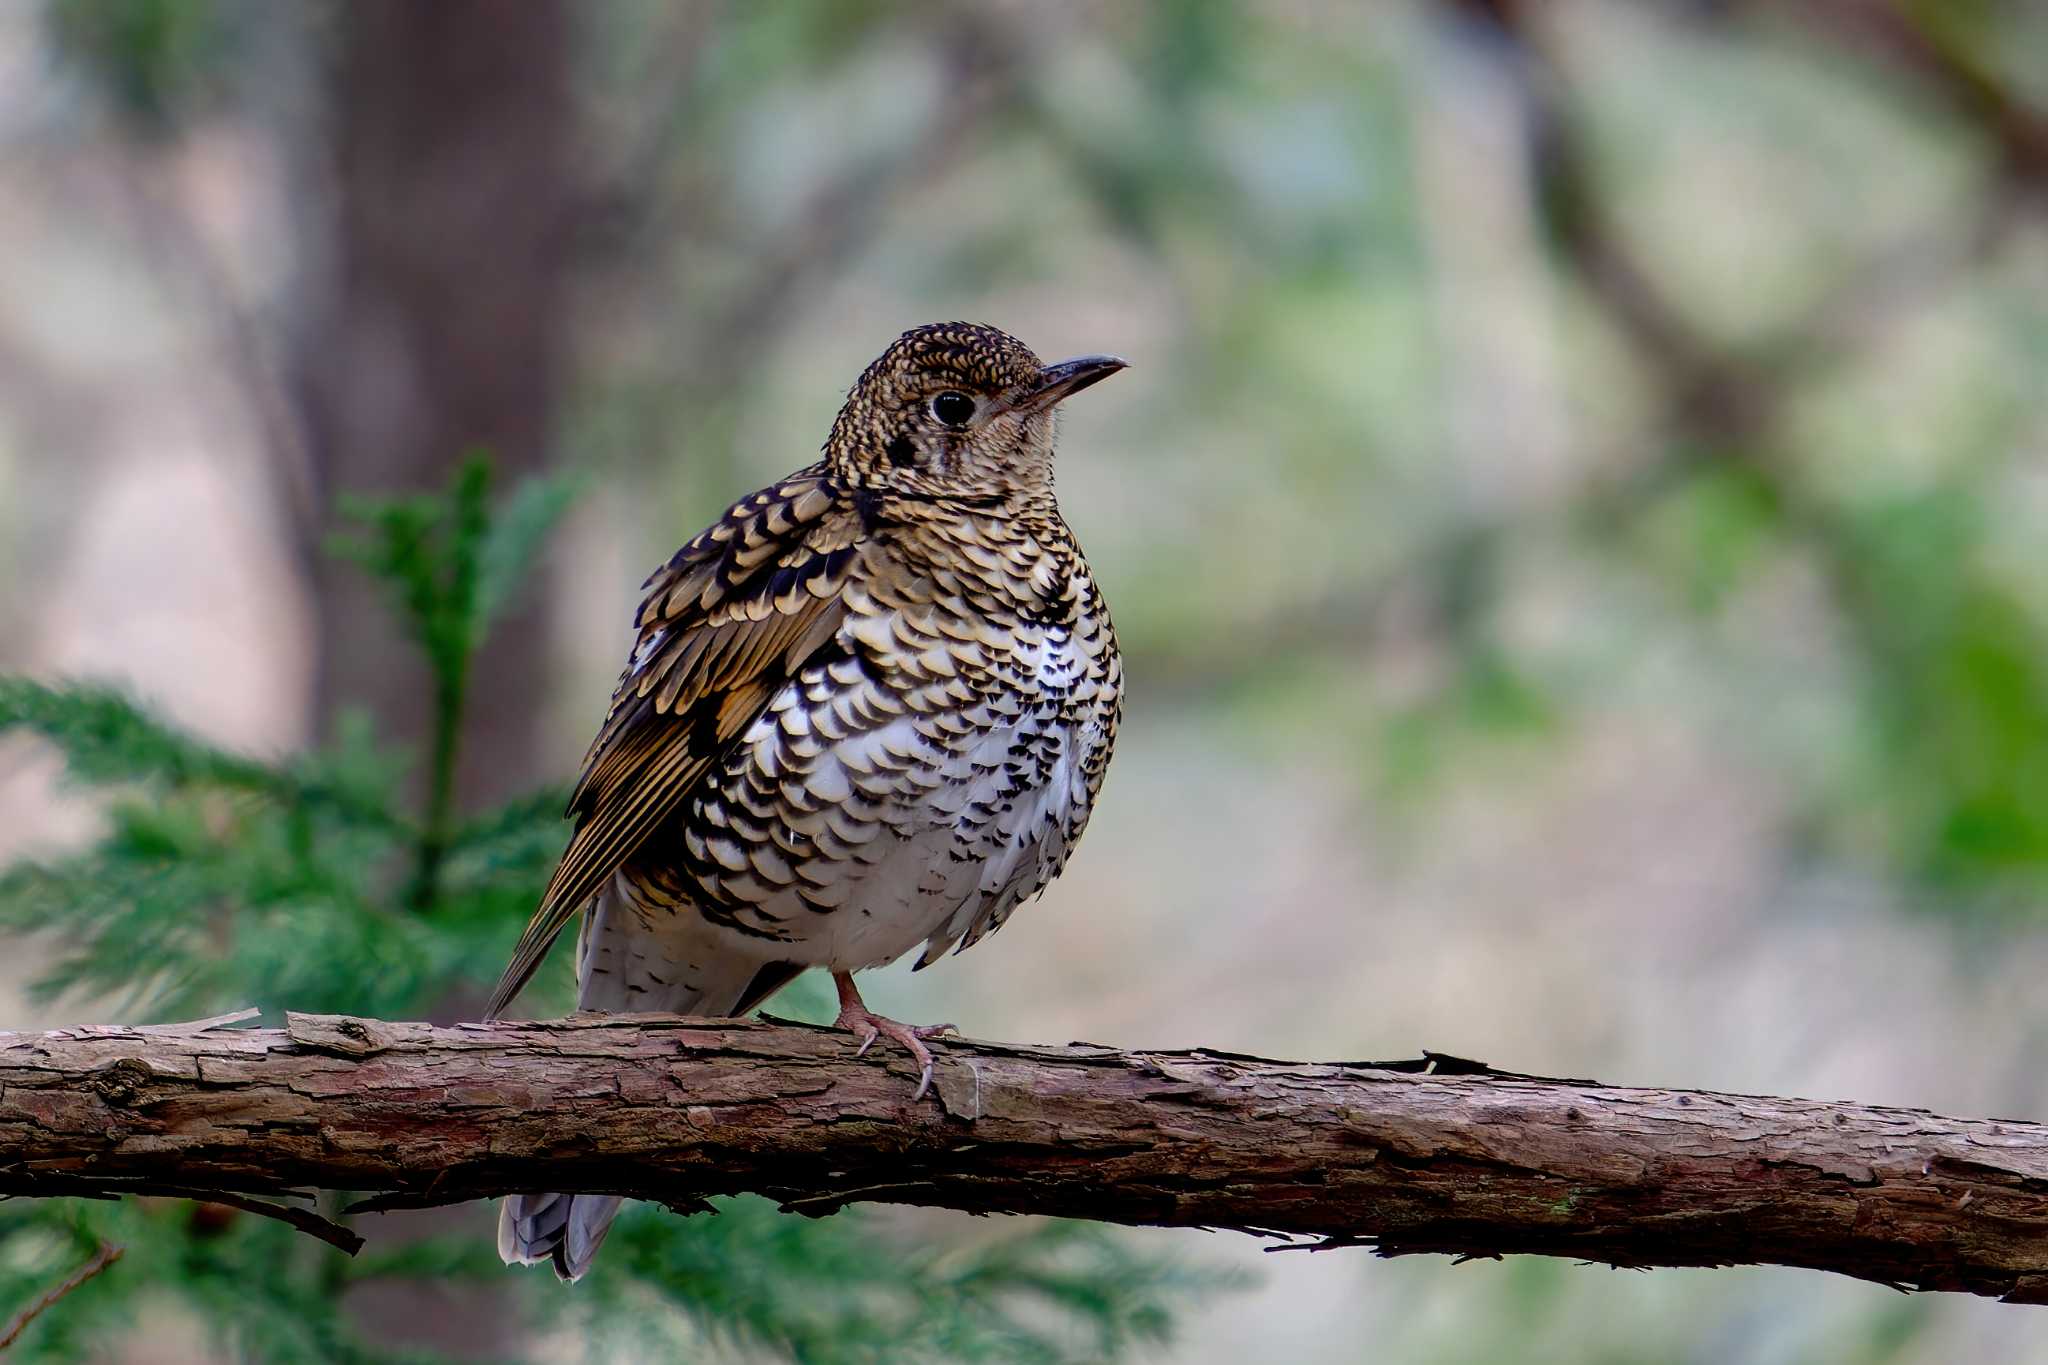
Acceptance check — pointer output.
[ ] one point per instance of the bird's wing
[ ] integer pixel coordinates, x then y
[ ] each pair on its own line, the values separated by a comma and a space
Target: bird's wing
724, 625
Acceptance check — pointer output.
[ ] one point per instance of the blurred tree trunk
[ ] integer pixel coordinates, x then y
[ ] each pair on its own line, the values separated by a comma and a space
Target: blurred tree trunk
434, 323
434, 328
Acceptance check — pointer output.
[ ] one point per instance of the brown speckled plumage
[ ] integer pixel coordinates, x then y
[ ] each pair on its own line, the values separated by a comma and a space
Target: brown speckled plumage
868, 709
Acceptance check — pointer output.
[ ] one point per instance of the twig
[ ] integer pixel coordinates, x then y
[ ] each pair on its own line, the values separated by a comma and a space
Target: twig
305, 1220
228, 1020
101, 1259
1913, 39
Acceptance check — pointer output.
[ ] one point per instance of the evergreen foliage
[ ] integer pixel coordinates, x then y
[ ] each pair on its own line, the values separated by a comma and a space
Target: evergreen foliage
304, 882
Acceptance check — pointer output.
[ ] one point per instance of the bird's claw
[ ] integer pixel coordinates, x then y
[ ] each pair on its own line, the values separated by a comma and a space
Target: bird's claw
924, 1076
867, 1027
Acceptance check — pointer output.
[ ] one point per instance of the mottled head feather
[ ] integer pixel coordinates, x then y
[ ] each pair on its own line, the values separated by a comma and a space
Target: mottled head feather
888, 435
967, 353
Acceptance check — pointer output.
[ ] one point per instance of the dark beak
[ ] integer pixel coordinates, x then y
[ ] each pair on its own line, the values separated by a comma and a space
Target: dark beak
1067, 378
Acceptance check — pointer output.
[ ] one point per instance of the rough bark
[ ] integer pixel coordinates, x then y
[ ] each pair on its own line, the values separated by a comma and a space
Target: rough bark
1434, 1156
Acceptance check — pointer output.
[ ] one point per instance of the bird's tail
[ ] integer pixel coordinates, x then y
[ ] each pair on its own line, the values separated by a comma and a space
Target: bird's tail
622, 966
565, 1229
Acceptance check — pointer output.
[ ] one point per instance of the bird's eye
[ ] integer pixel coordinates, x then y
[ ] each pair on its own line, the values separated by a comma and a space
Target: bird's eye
953, 407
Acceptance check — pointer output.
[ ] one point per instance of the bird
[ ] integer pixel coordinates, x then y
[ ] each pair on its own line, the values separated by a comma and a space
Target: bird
869, 708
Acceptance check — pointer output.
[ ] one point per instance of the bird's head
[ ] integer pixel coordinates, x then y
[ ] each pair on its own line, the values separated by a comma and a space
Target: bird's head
955, 409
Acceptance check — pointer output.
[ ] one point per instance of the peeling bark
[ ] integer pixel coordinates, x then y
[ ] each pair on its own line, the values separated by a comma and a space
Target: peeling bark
1432, 1156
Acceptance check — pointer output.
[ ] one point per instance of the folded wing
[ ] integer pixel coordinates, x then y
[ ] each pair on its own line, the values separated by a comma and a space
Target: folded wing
724, 626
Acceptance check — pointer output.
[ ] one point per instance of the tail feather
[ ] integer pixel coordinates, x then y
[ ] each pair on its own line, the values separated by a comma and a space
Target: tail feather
623, 966
563, 1229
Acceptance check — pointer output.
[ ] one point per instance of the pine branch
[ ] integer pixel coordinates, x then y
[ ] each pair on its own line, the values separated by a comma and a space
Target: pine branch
106, 737
1437, 1156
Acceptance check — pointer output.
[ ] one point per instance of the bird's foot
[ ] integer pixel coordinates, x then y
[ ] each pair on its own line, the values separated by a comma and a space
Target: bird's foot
856, 1018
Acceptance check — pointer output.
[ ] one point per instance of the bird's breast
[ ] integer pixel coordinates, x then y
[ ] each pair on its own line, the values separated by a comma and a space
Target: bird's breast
914, 786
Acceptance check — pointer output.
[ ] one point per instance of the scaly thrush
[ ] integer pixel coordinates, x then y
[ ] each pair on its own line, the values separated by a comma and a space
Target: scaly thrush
869, 708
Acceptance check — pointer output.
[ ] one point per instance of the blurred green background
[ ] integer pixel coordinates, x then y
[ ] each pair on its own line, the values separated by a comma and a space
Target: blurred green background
1576, 517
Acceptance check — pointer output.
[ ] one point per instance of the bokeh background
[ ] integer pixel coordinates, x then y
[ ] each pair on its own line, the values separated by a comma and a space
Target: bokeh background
1575, 516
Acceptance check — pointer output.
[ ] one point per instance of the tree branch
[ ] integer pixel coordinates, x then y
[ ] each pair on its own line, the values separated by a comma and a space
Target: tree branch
107, 1254
1435, 1156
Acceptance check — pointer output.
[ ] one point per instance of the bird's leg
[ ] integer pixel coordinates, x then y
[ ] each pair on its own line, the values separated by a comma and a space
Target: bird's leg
857, 1019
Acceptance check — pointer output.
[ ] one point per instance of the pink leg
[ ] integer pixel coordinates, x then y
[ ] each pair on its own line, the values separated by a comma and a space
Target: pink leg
856, 1019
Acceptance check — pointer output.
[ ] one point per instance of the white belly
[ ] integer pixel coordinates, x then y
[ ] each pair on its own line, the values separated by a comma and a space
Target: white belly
855, 822
921, 832
971, 845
